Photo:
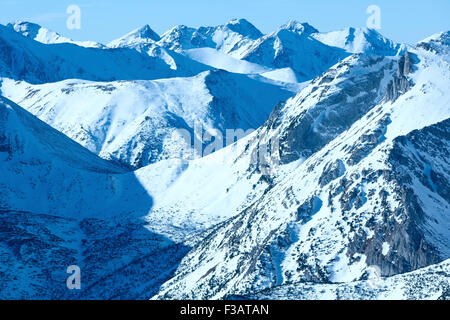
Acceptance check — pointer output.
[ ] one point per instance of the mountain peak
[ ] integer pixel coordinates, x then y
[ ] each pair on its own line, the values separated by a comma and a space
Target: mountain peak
443, 37
438, 42
244, 28
360, 40
146, 32
28, 29
299, 27
38, 33
138, 36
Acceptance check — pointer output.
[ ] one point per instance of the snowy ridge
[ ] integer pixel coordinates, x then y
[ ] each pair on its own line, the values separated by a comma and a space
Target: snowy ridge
361, 40
325, 229
136, 122
293, 47
43, 63
141, 35
346, 174
224, 38
43, 35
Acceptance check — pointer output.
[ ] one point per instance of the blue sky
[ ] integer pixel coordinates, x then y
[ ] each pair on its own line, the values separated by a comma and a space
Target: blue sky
402, 20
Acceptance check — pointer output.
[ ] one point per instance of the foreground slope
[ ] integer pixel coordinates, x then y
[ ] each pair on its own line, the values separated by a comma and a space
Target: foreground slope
61, 205
431, 283
363, 184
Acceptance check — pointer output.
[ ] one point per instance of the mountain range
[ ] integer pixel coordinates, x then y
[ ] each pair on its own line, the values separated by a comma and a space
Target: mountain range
342, 166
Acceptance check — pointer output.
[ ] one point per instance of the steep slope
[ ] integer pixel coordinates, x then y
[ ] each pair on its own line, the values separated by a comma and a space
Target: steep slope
292, 46
138, 122
360, 40
349, 176
141, 35
246, 168
40, 155
61, 205
43, 35
361, 184
22, 58
431, 283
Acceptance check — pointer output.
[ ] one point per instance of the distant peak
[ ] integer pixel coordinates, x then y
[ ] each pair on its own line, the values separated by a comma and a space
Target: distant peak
362, 30
181, 28
245, 28
28, 29
299, 27
139, 36
239, 21
147, 33
23, 23
443, 37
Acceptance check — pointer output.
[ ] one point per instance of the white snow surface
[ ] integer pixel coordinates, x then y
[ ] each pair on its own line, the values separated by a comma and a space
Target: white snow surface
324, 238
46, 36
358, 180
136, 122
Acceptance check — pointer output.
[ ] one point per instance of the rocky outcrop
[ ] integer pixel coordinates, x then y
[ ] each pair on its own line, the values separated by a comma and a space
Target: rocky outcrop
401, 84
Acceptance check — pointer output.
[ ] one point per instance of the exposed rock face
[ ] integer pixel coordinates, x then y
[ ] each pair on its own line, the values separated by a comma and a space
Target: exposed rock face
400, 84
331, 172
429, 283
341, 96
438, 43
354, 175
406, 233
359, 188
36, 249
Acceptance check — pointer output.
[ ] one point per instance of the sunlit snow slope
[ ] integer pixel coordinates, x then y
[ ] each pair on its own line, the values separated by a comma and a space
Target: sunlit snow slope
365, 182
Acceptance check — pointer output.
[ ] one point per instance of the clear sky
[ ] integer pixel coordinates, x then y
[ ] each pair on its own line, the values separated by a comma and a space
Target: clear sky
102, 20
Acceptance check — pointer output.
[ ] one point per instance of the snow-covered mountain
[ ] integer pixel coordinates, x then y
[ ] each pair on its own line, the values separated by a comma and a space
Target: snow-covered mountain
224, 38
361, 40
293, 47
61, 205
22, 58
141, 35
294, 53
206, 45
38, 163
348, 176
362, 183
137, 122
145, 41
46, 36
